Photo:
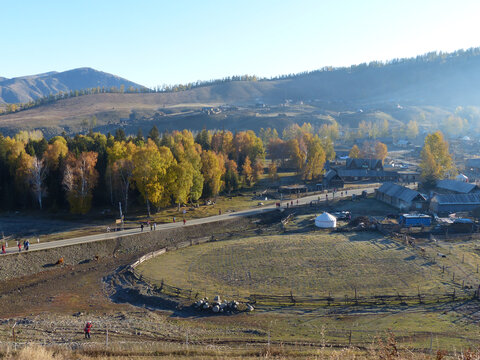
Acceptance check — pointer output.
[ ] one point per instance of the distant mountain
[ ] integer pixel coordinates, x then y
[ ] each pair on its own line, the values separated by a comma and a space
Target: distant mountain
27, 88
431, 86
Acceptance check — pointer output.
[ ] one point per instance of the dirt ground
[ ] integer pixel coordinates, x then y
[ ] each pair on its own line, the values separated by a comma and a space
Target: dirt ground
51, 307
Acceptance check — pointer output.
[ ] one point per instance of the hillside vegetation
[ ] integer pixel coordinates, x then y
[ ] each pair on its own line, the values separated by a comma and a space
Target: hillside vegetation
434, 83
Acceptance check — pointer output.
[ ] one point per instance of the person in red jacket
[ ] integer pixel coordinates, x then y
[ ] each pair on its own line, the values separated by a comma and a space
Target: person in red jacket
87, 329
3, 249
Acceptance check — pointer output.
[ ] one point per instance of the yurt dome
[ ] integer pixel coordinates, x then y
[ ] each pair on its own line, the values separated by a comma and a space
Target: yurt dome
326, 220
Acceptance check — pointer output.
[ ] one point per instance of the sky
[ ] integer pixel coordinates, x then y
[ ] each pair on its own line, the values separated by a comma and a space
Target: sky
171, 42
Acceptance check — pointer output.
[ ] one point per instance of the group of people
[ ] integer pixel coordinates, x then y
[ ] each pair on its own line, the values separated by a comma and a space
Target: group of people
26, 245
152, 225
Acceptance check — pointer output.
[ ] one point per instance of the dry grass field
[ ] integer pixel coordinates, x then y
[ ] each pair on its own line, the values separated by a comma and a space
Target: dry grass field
316, 263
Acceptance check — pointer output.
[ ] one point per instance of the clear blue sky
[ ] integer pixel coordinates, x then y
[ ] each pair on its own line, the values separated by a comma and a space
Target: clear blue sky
157, 42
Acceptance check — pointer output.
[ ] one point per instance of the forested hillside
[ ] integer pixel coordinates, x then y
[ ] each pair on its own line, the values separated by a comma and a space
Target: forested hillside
434, 85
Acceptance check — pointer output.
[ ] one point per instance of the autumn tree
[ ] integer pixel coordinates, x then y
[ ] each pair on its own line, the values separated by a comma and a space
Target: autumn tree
231, 177
454, 125
150, 172
36, 175
381, 151
329, 131
272, 172
296, 155
436, 161
56, 150
354, 152
212, 170
120, 168
258, 169
411, 131
247, 171
79, 179
315, 160
187, 153
222, 142
327, 145
246, 143
204, 138
268, 135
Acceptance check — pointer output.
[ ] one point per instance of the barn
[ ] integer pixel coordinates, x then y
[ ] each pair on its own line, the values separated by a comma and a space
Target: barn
333, 180
401, 197
452, 203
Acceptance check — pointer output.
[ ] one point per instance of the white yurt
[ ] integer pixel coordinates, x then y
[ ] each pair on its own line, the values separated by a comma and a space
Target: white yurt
461, 177
326, 220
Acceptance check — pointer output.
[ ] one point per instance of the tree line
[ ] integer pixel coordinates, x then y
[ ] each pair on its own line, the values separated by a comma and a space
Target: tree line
158, 170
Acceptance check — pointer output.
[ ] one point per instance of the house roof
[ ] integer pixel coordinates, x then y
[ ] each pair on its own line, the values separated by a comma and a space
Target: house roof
365, 173
330, 175
399, 192
456, 186
360, 163
457, 199
473, 163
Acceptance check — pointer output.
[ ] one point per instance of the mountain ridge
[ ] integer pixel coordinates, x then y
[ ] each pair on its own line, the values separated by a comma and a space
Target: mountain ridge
28, 88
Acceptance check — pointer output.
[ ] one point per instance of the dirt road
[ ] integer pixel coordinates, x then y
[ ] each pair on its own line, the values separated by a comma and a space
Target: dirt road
12, 245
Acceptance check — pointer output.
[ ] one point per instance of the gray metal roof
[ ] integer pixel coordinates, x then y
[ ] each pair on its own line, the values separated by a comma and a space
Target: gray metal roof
362, 163
456, 186
457, 199
400, 192
365, 173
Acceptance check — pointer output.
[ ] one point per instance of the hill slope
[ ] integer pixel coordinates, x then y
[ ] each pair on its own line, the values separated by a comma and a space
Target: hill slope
28, 88
436, 82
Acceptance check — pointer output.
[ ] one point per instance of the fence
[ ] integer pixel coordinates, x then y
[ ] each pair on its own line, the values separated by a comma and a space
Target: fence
354, 299
291, 299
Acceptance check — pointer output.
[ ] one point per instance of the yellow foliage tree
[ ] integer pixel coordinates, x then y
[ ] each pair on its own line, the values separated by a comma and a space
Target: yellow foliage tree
436, 161
79, 179
354, 152
272, 171
315, 160
247, 171
212, 170
55, 151
150, 172
381, 150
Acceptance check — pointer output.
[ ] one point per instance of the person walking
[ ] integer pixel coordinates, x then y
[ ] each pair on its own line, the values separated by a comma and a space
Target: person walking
154, 226
26, 245
141, 227
87, 329
19, 247
174, 219
4, 251
184, 221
